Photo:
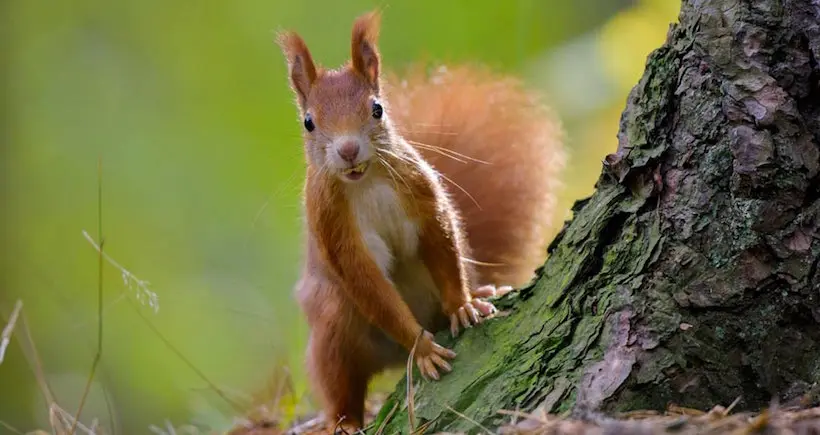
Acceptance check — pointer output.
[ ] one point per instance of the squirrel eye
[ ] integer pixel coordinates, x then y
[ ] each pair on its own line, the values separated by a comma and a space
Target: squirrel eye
309, 126
378, 111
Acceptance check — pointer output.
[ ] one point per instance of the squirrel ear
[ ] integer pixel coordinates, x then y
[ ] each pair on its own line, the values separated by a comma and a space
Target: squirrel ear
301, 69
364, 52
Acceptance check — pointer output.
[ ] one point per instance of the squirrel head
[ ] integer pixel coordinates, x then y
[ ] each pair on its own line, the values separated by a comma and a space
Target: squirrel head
344, 119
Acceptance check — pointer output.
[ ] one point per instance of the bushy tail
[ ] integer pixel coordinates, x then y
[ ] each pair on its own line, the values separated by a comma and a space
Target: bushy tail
501, 151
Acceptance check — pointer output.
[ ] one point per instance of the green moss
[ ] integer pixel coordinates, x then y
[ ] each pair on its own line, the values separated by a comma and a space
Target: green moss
607, 288
567, 402
513, 361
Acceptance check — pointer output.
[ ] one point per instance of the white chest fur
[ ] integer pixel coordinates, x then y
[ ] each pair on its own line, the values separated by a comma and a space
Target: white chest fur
388, 232
393, 240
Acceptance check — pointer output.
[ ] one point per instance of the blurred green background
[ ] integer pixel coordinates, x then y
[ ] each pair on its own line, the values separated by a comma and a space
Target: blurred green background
187, 106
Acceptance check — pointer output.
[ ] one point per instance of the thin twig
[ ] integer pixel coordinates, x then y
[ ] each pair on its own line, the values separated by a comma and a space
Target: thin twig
98, 353
411, 405
338, 426
732, 406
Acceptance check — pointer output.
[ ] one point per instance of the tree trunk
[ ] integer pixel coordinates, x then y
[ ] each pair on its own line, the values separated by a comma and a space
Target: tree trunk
690, 275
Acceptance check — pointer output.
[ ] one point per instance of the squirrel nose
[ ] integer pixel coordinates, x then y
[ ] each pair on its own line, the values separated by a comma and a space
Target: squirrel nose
348, 150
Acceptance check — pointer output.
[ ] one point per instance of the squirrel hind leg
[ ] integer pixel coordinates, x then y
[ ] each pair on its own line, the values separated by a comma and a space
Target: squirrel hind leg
340, 378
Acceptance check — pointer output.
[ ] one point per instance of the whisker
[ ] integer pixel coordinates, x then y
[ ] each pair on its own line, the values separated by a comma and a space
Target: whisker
439, 173
397, 156
444, 151
391, 170
394, 171
323, 169
280, 189
461, 189
426, 130
441, 153
482, 263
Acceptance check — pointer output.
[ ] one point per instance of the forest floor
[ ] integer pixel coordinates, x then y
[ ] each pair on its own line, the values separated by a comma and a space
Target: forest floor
796, 419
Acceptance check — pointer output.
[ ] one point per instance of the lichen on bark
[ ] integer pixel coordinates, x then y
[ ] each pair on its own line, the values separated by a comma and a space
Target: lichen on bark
691, 274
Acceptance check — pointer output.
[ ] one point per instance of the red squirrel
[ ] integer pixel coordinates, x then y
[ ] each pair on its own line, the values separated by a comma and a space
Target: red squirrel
424, 195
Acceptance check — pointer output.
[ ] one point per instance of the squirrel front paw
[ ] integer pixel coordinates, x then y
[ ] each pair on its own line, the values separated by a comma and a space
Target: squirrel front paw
469, 313
473, 311
430, 357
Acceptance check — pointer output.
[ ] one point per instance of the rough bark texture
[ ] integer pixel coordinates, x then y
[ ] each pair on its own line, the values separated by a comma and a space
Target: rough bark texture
691, 275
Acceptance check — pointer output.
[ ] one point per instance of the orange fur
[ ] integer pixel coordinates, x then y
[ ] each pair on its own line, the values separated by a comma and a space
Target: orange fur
363, 52
300, 64
389, 257
505, 171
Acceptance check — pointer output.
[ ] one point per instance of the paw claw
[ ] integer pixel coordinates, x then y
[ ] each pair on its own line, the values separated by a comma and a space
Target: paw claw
490, 290
484, 307
430, 357
485, 291
471, 313
462, 315
504, 289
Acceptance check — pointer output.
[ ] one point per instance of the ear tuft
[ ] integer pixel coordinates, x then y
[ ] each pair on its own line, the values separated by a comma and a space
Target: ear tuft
301, 69
364, 51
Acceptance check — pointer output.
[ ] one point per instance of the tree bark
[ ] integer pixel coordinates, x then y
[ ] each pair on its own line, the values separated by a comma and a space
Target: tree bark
691, 274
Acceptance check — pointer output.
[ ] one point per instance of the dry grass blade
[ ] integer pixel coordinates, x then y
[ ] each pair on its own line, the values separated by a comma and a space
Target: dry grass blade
477, 424
139, 286
423, 428
387, 418
266, 407
5, 339
67, 420
185, 360
680, 410
411, 405
307, 426
524, 415
284, 383
142, 292
169, 429
10, 428
33, 357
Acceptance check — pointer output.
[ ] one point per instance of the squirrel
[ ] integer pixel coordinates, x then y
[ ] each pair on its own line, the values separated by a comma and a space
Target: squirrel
424, 196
